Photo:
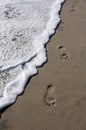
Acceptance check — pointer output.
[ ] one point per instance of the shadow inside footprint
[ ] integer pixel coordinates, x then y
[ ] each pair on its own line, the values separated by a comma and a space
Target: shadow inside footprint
61, 48
61, 27
49, 98
64, 56
73, 9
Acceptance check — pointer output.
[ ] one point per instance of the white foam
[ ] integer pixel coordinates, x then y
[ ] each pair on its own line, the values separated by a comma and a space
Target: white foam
25, 27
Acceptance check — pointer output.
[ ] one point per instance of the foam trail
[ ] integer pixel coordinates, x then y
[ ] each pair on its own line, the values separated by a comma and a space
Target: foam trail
23, 41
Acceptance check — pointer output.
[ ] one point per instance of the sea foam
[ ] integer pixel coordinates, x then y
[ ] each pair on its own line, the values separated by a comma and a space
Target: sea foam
25, 28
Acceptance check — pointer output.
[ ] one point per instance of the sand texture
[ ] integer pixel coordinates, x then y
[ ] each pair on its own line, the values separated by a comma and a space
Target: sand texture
55, 99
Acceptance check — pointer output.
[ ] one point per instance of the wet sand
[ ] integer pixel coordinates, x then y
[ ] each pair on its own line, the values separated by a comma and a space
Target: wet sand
55, 99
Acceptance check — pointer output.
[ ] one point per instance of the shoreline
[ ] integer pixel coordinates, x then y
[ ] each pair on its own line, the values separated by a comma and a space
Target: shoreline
37, 58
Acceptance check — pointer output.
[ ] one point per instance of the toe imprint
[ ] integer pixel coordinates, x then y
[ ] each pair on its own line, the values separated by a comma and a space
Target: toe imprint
73, 9
49, 96
64, 56
61, 27
61, 48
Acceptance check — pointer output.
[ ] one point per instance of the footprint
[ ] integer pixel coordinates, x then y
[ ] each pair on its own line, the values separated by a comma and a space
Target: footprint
61, 27
49, 98
73, 9
63, 52
61, 47
64, 56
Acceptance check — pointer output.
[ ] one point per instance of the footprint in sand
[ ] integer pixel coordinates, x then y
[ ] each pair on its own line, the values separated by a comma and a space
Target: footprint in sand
61, 47
64, 56
63, 52
61, 27
49, 98
73, 8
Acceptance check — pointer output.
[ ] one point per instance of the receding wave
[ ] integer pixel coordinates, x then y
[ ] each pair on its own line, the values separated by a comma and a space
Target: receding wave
25, 27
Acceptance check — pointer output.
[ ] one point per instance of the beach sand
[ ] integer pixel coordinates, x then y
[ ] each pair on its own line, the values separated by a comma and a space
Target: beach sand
55, 99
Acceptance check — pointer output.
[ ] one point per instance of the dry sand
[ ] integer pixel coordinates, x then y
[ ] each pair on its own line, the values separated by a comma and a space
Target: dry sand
55, 99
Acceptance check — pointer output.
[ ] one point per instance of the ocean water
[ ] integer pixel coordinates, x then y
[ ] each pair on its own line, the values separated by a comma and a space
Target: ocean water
25, 28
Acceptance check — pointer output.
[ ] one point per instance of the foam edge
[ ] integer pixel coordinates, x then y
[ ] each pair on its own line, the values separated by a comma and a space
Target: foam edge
30, 69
